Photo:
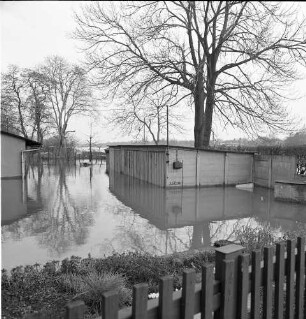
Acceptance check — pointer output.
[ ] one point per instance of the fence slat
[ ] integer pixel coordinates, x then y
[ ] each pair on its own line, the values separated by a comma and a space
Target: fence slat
165, 297
207, 292
279, 280
110, 305
75, 310
140, 301
300, 281
227, 289
268, 280
243, 285
290, 279
255, 284
187, 304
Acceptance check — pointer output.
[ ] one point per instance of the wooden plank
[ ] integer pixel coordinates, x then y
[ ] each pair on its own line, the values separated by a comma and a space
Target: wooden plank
279, 280
187, 305
140, 301
75, 310
227, 293
243, 286
110, 305
165, 297
207, 292
268, 280
300, 281
255, 284
290, 279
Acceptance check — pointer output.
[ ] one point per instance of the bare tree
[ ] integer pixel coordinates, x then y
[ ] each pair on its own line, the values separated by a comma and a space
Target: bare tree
68, 93
14, 113
148, 113
37, 103
233, 57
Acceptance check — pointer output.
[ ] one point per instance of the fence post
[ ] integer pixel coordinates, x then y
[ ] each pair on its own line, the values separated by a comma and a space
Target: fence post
110, 302
187, 303
165, 297
140, 301
223, 256
75, 310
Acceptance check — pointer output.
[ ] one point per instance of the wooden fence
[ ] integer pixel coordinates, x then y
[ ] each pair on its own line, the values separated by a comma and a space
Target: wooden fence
268, 284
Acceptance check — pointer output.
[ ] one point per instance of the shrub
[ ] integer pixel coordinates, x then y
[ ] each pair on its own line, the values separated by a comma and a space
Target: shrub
47, 289
90, 288
255, 238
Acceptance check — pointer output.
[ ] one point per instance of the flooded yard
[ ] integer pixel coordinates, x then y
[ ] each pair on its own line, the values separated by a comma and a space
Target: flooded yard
60, 211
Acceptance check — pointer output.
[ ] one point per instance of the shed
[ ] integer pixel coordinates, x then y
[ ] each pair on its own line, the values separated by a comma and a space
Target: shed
12, 146
176, 166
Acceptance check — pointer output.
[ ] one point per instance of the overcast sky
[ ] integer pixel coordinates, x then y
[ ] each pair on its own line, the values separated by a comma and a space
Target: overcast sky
33, 30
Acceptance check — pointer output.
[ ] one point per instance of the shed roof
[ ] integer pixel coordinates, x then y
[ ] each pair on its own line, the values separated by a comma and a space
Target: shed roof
27, 140
164, 147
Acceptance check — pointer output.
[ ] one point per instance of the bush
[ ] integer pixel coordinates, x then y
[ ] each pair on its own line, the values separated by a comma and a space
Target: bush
48, 288
90, 288
31, 289
255, 238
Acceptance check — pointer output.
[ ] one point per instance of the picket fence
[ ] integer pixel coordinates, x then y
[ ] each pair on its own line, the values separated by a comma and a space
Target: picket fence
264, 284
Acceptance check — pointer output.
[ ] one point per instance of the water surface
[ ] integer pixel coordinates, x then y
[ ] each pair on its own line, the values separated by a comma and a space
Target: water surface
60, 211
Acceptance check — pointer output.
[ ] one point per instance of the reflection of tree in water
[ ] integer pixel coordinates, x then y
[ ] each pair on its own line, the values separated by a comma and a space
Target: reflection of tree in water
136, 234
227, 229
64, 220
12, 231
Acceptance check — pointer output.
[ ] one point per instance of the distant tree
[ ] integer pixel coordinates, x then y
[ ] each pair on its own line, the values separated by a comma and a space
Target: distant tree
67, 92
147, 115
23, 103
298, 138
233, 57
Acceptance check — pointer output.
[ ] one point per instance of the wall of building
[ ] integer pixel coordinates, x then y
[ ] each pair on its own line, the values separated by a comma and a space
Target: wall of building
11, 149
141, 163
195, 168
294, 192
208, 168
270, 168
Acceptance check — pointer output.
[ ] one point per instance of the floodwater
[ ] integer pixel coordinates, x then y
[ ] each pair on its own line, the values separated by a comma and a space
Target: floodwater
60, 211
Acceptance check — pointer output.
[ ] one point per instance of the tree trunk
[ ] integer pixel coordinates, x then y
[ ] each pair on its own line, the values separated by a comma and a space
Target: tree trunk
208, 114
199, 98
210, 98
21, 121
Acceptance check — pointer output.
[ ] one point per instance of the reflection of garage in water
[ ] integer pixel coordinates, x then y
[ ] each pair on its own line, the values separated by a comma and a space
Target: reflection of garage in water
179, 207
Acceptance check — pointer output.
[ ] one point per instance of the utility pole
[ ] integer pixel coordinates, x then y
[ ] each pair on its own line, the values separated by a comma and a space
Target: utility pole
144, 130
90, 138
167, 126
90, 152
